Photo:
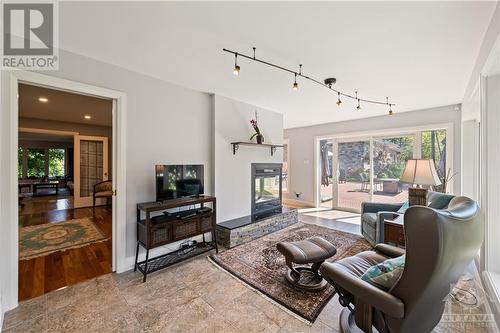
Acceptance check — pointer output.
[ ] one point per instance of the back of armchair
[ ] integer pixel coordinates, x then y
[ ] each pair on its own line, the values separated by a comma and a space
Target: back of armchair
440, 244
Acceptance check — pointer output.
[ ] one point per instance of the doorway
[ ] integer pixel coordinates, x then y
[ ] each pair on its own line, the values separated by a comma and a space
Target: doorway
65, 236
10, 103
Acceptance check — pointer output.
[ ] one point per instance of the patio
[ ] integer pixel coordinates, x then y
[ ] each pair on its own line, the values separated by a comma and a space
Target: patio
351, 196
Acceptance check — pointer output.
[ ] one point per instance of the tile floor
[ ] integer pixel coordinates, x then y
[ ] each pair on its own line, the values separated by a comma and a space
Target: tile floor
193, 296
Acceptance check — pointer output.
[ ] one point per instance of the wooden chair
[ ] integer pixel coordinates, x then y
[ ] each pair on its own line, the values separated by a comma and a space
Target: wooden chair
102, 189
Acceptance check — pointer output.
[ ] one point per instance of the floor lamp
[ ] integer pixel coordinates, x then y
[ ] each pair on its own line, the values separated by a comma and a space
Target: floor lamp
419, 173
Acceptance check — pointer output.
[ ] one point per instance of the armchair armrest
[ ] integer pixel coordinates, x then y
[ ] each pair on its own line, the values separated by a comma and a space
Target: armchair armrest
389, 250
379, 299
374, 207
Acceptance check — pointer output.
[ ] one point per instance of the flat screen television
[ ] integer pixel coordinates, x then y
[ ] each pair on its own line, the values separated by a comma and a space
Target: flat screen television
178, 181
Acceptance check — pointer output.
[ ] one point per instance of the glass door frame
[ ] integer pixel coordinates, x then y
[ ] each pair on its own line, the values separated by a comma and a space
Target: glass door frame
370, 136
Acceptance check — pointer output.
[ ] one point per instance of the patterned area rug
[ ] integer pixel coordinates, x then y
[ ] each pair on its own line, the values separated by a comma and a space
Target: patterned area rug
261, 266
40, 240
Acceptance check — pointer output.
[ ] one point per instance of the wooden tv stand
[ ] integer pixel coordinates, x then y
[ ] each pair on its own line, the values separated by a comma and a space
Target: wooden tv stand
164, 229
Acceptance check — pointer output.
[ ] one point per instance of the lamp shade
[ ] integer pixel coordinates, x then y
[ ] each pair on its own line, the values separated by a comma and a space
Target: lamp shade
420, 172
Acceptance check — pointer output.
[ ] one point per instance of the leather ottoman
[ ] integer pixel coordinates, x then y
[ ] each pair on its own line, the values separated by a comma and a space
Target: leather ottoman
313, 251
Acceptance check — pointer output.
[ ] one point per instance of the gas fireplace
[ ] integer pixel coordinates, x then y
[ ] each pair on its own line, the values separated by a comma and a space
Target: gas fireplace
266, 188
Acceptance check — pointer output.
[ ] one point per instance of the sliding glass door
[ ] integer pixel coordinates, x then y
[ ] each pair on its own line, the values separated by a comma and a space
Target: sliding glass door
368, 169
389, 160
326, 173
353, 174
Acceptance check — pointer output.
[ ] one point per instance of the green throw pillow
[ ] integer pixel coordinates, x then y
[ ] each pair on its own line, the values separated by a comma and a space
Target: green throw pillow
385, 274
403, 208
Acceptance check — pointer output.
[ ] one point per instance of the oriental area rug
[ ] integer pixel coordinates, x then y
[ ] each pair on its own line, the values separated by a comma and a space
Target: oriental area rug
40, 240
259, 265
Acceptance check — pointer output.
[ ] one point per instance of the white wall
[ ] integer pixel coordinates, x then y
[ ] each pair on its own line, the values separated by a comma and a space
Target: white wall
232, 172
166, 124
470, 159
301, 139
490, 179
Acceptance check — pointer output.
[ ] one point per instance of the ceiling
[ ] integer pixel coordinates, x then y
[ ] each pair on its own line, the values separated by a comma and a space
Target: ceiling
420, 54
63, 106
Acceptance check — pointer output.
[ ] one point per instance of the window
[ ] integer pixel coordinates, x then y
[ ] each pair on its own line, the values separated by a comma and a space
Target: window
434, 148
285, 167
56, 162
35, 162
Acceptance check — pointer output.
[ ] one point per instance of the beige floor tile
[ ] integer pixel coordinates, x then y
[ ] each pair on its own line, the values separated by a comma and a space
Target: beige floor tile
245, 316
218, 288
28, 310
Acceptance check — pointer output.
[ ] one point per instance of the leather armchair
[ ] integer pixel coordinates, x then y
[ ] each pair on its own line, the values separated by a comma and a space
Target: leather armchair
440, 246
373, 215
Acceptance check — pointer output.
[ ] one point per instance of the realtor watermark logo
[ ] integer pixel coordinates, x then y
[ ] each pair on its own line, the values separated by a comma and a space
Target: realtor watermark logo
30, 35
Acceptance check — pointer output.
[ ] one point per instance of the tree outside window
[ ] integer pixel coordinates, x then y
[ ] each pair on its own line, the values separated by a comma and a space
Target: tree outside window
20, 162
434, 148
35, 162
56, 162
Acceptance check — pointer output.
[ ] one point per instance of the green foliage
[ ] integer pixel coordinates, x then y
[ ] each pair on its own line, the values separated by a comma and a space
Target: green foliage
35, 162
56, 162
20, 162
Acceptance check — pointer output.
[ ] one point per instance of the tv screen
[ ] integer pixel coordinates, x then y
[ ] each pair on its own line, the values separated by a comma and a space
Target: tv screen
177, 181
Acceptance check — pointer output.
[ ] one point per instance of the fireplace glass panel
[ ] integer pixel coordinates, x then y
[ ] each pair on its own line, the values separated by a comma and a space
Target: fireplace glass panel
266, 189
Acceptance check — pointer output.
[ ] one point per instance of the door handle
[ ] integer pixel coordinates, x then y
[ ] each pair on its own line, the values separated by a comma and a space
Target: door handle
113, 192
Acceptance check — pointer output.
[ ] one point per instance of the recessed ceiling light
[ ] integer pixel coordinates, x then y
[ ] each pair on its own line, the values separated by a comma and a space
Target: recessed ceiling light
43, 99
87, 116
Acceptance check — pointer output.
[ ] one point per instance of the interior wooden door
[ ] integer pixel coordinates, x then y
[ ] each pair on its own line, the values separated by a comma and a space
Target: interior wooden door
91, 167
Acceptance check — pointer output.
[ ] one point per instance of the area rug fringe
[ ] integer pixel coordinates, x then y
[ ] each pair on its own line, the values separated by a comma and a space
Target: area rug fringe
269, 299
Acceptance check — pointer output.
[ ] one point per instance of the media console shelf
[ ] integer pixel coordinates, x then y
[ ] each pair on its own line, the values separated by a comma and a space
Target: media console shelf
236, 146
163, 229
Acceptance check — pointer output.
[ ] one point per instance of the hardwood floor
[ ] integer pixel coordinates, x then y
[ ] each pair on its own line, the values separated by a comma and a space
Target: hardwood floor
40, 275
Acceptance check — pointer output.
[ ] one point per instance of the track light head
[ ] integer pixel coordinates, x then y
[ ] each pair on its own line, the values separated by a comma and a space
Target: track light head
236, 69
295, 86
358, 107
339, 102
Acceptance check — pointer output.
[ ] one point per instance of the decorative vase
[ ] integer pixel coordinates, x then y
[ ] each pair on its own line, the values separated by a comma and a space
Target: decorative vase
260, 139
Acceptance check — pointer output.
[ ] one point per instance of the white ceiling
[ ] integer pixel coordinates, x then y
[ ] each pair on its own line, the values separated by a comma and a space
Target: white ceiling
63, 106
420, 54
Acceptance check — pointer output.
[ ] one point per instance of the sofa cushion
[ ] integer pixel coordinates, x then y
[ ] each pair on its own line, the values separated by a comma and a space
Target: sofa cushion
370, 219
439, 200
385, 274
403, 208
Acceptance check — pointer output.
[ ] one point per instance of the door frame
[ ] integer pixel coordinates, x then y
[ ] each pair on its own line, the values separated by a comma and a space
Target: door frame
380, 133
12, 80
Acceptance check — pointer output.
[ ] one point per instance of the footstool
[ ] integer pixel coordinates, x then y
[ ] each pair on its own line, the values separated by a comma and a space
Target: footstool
313, 251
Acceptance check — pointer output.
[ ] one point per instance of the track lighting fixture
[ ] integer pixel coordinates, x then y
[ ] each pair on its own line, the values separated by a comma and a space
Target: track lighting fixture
391, 113
359, 106
236, 70
390, 106
339, 102
327, 83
